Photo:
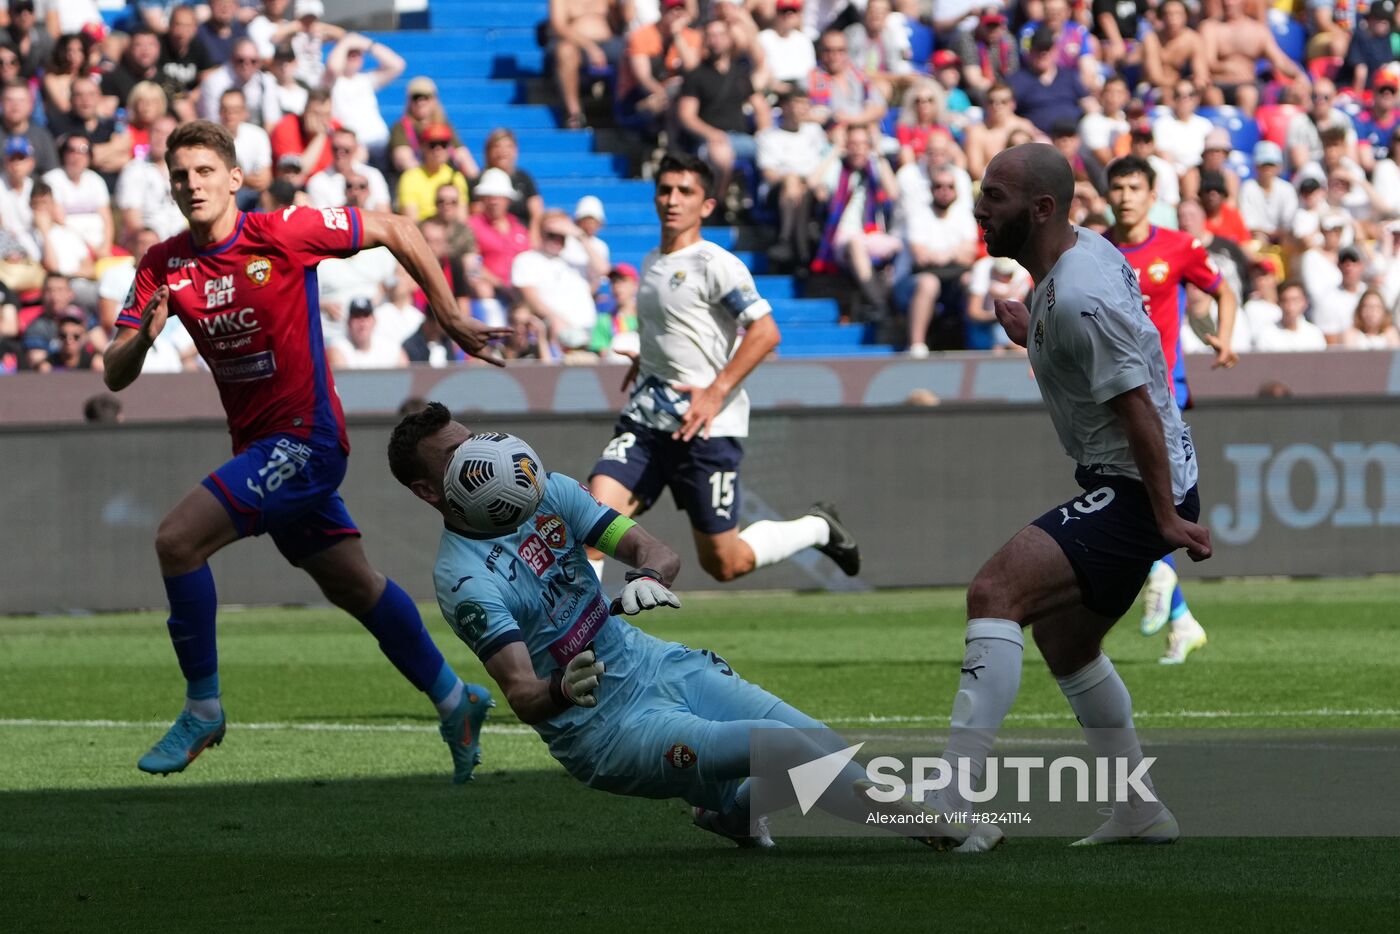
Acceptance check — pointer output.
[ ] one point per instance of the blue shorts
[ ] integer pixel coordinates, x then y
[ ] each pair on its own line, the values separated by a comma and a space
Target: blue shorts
665, 745
286, 486
703, 474
1111, 539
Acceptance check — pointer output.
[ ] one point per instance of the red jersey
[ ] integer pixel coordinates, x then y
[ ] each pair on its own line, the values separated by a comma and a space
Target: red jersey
1164, 262
252, 305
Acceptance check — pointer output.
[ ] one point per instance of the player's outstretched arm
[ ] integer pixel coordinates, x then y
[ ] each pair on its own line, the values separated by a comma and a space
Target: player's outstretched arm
124, 357
403, 239
705, 401
1145, 439
656, 566
535, 699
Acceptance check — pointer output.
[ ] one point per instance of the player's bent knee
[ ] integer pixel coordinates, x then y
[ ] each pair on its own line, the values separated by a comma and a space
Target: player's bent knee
175, 548
992, 596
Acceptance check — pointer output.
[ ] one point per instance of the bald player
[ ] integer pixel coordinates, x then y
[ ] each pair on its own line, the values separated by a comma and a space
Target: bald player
1070, 574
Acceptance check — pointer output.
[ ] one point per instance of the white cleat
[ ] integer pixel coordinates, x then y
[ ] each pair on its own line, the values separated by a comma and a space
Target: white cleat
709, 820
1182, 642
1159, 829
1157, 598
983, 839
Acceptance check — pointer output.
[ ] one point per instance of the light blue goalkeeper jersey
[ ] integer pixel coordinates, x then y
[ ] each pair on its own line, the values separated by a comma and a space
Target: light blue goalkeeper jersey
535, 586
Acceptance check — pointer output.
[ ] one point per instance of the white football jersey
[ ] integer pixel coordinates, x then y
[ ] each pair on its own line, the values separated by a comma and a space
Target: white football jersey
1090, 340
690, 307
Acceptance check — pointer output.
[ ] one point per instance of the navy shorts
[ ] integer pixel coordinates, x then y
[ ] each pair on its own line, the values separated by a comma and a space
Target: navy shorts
703, 474
287, 487
1111, 539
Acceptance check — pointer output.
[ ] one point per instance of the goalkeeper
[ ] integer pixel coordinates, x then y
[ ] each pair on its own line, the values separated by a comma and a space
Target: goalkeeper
621, 710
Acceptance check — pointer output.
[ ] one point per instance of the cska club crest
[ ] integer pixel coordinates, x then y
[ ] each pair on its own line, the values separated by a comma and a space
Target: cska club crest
1157, 271
552, 530
259, 270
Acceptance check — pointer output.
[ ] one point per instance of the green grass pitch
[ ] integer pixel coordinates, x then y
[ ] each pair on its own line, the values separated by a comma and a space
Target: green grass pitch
329, 807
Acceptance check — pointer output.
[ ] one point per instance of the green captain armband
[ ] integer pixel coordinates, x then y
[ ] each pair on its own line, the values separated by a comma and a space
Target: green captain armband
607, 542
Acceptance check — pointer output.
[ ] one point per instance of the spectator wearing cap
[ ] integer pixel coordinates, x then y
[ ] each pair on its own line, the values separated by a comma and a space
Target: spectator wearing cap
143, 197
788, 153
1376, 126
1143, 143
787, 50
947, 71
552, 288
419, 185
1333, 309
288, 92
500, 236
41, 339
1312, 208
16, 185
713, 102
1370, 49
878, 44
1292, 332
616, 330
309, 35
326, 189
16, 111
355, 90
363, 347
1267, 202
1320, 265
251, 145
988, 53
242, 70
1222, 218
1174, 52
82, 195
1215, 156
1075, 48
183, 57
27, 38
503, 152
585, 250
1044, 92
840, 93
993, 134
423, 109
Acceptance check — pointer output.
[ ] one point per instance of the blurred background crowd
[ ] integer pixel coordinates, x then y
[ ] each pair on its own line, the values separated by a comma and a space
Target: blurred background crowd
848, 137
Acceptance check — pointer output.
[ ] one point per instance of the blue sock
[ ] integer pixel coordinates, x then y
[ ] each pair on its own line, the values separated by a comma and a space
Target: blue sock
193, 606
1179, 608
395, 622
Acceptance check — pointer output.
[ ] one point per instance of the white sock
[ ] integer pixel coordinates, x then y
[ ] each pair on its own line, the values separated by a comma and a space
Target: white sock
1104, 708
1185, 623
206, 708
450, 702
597, 566
991, 676
777, 541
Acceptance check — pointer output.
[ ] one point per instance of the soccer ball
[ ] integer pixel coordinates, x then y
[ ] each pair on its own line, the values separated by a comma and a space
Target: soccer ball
494, 483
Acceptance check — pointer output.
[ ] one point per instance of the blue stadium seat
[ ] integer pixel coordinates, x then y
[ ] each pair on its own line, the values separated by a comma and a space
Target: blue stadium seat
920, 46
1291, 36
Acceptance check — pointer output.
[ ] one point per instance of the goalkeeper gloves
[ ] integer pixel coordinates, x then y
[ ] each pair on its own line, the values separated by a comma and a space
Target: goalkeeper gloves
643, 591
575, 684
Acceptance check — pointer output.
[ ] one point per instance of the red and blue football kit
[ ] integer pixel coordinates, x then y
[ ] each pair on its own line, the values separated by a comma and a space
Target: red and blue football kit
1164, 262
251, 304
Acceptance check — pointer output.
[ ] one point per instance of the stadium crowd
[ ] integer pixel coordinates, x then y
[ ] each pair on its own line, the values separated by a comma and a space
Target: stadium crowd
854, 131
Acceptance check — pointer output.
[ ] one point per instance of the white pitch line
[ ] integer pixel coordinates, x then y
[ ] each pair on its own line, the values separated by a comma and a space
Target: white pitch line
868, 720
